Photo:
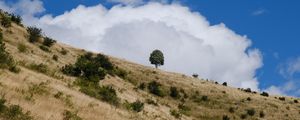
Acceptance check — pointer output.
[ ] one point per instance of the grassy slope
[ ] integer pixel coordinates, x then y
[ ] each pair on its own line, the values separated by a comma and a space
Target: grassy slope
44, 106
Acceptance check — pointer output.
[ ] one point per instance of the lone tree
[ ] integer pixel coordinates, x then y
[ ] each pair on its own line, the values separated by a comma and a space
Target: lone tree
157, 58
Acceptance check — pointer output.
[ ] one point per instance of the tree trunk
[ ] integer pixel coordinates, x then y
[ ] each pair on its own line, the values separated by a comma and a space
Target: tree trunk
156, 66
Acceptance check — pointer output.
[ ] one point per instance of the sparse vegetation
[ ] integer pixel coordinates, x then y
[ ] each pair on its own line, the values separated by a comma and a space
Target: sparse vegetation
142, 86
13, 112
6, 60
156, 58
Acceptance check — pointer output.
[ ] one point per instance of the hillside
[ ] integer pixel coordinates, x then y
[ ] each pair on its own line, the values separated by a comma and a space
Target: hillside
42, 91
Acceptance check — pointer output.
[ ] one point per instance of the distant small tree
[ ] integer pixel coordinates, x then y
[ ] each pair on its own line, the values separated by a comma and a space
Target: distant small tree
157, 58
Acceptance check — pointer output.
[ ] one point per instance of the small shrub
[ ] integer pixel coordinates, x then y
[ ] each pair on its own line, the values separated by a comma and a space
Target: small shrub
184, 109
248, 90
2, 105
251, 112
109, 94
137, 106
55, 57
296, 101
224, 84
155, 88
264, 94
44, 48
261, 114
152, 102
34, 34
195, 75
243, 116
16, 18
225, 117
174, 93
58, 95
6, 60
48, 42
68, 115
14, 68
42, 68
22, 48
175, 113
142, 86
64, 51
282, 98
231, 110
248, 98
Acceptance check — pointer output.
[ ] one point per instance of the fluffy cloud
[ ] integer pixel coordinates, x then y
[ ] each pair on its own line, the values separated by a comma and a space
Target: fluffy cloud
127, 2
290, 71
189, 42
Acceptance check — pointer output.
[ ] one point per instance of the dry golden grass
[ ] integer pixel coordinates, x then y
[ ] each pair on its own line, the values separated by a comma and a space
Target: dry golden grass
44, 106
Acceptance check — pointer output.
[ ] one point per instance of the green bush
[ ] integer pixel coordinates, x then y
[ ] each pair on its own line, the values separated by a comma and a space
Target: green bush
155, 88
137, 106
109, 95
48, 42
16, 18
55, 57
6, 21
264, 94
174, 93
251, 112
34, 34
71, 70
58, 95
64, 51
45, 48
68, 115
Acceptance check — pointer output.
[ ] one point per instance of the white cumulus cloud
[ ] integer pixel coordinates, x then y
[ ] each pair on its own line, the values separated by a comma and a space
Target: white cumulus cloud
189, 42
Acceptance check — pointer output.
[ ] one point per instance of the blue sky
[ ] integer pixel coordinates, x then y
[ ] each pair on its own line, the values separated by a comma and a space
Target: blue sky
272, 25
